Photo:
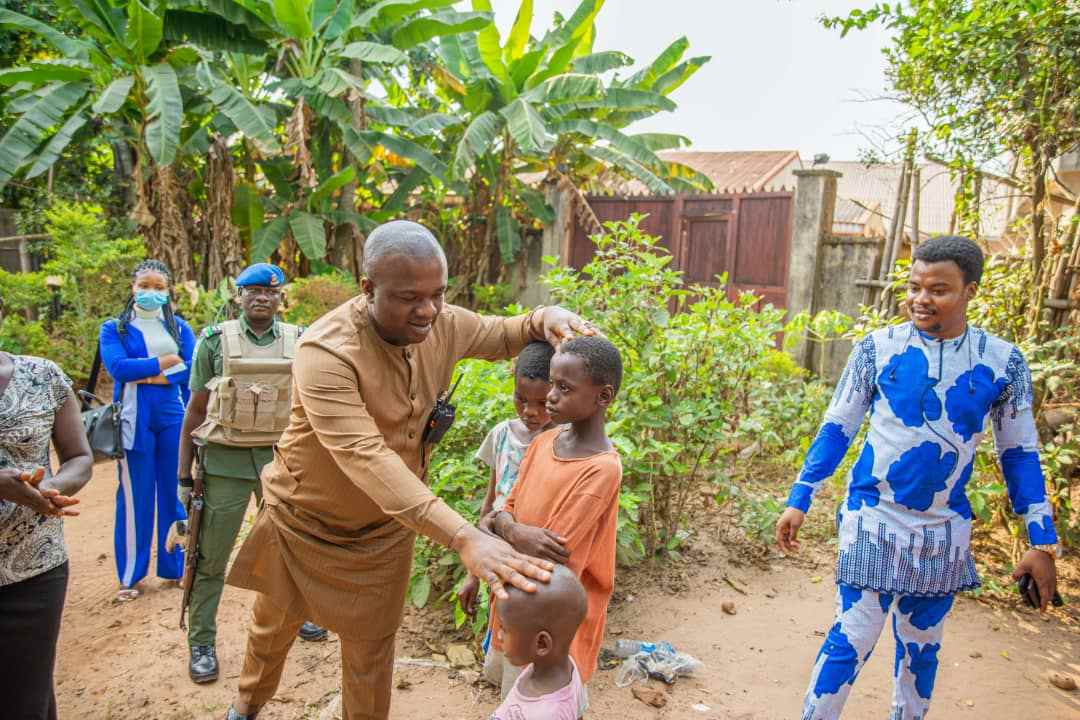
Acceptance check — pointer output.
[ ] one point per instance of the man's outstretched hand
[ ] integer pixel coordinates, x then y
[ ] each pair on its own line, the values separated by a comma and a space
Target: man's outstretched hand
492, 560
787, 529
1040, 566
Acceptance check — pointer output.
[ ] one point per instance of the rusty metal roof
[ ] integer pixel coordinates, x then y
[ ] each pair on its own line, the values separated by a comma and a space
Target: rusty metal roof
737, 170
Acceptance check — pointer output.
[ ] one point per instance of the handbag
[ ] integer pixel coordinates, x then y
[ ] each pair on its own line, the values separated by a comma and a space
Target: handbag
102, 423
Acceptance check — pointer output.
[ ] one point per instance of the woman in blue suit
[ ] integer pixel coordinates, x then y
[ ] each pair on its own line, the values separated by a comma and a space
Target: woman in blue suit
147, 350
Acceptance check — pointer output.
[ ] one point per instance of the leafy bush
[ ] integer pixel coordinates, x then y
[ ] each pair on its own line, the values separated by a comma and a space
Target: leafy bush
95, 271
308, 299
699, 365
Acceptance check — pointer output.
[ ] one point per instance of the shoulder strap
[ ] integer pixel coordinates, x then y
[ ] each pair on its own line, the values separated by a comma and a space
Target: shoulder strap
232, 339
289, 334
95, 371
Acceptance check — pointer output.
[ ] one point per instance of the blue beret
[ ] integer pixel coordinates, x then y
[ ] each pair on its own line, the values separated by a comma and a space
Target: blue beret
261, 274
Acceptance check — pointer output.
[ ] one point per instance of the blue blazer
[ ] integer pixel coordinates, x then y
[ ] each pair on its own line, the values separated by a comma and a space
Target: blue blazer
127, 360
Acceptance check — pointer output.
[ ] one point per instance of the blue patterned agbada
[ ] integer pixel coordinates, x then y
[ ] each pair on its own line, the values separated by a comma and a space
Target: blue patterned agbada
905, 524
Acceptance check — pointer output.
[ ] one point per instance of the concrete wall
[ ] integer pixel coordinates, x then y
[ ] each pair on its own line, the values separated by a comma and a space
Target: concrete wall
554, 243
843, 260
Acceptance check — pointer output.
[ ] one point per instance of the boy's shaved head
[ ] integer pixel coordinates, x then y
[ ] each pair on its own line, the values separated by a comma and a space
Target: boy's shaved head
557, 606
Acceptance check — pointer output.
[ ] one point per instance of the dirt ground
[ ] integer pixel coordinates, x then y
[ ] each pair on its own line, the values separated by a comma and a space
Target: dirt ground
129, 661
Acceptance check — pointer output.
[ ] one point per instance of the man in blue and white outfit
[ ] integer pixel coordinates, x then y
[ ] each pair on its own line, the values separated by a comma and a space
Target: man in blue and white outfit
905, 525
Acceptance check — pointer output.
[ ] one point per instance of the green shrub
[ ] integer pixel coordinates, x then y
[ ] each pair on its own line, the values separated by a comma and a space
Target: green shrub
698, 365
95, 270
308, 299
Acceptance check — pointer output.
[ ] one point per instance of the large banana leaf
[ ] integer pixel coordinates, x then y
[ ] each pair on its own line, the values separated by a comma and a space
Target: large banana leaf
508, 231
405, 186
569, 87
294, 16
58, 142
527, 127
425, 27
247, 210
489, 43
165, 110
45, 71
266, 239
523, 67
672, 79
662, 141
612, 157
389, 12
683, 178
210, 32
577, 25
255, 15
477, 140
33, 126
601, 62
144, 30
329, 186
433, 123
243, 113
373, 52
309, 233
392, 116
68, 46
409, 150
112, 98
537, 205
635, 149
518, 39
668, 57
104, 21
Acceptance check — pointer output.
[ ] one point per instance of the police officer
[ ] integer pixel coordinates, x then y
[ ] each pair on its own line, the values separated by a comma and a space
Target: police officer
240, 402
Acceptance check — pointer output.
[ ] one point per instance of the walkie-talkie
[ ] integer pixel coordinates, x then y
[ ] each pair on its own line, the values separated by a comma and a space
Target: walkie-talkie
441, 418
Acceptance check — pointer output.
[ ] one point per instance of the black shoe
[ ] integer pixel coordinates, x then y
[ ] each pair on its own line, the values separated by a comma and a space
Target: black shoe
203, 667
233, 715
311, 632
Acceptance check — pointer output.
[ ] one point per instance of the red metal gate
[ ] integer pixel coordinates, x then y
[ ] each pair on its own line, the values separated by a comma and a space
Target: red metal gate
747, 236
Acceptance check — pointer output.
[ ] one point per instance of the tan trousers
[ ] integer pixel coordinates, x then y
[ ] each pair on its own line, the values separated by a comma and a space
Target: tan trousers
367, 666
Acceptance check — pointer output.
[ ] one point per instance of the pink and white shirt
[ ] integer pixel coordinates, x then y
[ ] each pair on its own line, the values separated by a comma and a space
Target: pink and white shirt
567, 703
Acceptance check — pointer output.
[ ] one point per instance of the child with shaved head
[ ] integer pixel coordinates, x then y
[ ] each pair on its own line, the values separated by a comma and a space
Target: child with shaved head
536, 630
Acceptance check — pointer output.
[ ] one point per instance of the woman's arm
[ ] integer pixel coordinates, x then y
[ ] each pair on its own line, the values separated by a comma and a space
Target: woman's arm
114, 356
76, 459
187, 349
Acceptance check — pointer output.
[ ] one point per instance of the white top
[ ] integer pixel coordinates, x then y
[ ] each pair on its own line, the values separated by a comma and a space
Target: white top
158, 340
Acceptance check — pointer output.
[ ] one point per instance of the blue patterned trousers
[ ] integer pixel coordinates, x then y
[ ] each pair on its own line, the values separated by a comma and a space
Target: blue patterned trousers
917, 625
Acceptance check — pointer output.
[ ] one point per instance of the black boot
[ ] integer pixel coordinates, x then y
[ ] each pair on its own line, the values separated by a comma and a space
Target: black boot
311, 632
233, 715
203, 667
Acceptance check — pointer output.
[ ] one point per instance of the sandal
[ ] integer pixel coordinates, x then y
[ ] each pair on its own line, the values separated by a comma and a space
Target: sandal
127, 594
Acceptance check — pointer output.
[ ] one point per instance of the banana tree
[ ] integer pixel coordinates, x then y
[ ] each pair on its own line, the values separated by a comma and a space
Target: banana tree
546, 107
124, 72
332, 69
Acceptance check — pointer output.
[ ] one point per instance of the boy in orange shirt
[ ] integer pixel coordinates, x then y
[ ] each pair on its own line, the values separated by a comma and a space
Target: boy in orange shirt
565, 504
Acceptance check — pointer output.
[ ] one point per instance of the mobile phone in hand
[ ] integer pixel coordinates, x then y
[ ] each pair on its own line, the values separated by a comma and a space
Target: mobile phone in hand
1029, 590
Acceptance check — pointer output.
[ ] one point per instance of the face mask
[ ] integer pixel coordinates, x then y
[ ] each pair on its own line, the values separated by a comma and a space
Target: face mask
151, 299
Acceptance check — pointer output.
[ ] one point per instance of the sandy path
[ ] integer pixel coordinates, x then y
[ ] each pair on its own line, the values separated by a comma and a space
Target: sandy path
130, 661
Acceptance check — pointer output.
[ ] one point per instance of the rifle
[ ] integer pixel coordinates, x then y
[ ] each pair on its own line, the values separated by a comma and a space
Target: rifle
194, 524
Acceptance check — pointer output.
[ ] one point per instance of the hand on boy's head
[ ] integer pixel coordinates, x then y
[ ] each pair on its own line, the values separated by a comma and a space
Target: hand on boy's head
561, 325
491, 559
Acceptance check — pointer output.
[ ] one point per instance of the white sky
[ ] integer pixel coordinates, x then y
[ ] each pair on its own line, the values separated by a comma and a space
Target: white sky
777, 78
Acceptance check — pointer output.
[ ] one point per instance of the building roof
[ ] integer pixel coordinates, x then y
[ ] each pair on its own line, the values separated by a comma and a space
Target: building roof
730, 171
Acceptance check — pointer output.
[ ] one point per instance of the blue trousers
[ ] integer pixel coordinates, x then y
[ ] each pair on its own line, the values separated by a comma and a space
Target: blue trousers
147, 488
917, 626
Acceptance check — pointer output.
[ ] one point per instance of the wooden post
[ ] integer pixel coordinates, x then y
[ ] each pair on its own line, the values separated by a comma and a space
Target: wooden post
916, 200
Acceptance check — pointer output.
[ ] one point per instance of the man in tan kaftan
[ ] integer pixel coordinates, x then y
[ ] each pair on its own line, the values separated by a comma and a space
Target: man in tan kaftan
346, 493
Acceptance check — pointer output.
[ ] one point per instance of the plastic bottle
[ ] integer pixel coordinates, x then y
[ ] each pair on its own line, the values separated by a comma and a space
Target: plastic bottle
627, 648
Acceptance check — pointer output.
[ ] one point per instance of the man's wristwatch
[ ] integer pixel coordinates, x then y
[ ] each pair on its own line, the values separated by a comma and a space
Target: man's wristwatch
186, 481
1053, 551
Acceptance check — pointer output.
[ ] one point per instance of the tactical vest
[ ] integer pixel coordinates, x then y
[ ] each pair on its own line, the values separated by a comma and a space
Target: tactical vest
251, 400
